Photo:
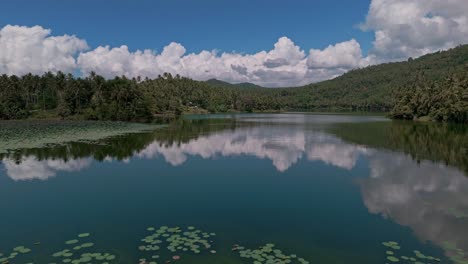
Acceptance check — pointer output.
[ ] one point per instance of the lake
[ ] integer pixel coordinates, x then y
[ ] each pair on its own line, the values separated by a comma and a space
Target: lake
245, 188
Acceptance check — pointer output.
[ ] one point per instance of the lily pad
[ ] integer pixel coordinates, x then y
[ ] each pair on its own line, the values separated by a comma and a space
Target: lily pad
84, 235
71, 242
393, 259
268, 254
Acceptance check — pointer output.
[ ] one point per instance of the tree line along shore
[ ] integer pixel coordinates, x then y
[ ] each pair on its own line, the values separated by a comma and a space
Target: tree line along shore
433, 87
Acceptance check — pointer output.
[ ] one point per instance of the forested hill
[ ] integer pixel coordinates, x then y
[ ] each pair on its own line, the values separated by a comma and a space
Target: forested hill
434, 86
216, 82
372, 87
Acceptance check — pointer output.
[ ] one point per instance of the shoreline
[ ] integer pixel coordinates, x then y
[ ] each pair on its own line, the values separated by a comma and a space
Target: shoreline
165, 118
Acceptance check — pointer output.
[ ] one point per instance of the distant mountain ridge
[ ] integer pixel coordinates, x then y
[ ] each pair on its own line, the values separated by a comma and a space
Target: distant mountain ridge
373, 85
434, 87
437, 63
216, 82
367, 88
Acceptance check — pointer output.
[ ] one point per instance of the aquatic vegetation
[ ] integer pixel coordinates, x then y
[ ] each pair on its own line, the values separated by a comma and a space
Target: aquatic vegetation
176, 240
87, 245
418, 258
171, 244
455, 254
84, 235
17, 135
16, 252
88, 257
457, 213
268, 254
76, 256
391, 244
71, 242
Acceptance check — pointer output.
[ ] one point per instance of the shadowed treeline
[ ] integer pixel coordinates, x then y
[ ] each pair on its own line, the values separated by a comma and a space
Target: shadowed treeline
442, 100
447, 143
441, 94
121, 147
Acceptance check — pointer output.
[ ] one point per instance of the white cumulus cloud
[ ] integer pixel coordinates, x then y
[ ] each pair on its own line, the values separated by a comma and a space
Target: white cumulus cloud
402, 28
405, 28
285, 64
33, 49
345, 55
284, 53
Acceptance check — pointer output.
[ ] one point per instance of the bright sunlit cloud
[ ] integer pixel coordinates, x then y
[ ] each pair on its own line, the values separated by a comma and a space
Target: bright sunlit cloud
402, 29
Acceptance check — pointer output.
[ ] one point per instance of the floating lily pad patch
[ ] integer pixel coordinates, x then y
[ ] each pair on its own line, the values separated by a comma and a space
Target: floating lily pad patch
268, 254
175, 241
455, 254
391, 244
417, 258
457, 213
392, 259
84, 235
75, 254
71, 242
16, 252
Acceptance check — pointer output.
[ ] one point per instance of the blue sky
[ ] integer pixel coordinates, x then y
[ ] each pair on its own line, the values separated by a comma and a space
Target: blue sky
241, 25
267, 42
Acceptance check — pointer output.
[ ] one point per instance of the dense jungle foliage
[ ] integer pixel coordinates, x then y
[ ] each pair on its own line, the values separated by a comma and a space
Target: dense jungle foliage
433, 86
443, 100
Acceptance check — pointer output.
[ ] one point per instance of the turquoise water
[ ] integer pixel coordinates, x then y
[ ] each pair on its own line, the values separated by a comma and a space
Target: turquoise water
327, 188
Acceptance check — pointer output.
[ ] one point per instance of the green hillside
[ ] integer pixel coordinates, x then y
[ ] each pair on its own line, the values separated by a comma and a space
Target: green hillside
433, 86
371, 88
247, 85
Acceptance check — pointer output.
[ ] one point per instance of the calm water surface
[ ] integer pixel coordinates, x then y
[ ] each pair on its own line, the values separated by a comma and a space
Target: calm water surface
327, 188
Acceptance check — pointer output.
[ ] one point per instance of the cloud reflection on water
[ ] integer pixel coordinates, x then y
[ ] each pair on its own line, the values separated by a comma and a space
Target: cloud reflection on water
284, 147
418, 195
421, 196
30, 168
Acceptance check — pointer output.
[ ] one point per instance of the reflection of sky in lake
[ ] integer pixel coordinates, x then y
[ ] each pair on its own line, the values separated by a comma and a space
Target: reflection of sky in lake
282, 146
30, 168
421, 195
